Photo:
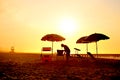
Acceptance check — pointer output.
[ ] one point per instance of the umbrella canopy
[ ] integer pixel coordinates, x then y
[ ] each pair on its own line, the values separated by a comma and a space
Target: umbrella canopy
97, 37
83, 40
52, 38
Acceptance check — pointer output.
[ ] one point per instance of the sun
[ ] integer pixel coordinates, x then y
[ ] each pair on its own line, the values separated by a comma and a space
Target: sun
67, 26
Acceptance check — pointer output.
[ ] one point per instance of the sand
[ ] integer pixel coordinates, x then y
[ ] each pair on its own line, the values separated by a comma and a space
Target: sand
74, 69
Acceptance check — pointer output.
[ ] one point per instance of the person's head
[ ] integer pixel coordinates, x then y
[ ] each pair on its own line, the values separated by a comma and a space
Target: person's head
62, 45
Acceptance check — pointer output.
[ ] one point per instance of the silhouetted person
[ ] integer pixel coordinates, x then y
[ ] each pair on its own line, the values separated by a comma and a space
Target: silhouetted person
67, 51
12, 49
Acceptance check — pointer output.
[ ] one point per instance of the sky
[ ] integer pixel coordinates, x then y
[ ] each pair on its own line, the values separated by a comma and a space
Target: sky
24, 22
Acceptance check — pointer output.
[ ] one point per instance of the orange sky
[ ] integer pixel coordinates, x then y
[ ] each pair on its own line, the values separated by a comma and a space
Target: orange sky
24, 22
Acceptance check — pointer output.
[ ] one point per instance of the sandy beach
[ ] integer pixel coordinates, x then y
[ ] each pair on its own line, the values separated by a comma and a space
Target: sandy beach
59, 40
18, 68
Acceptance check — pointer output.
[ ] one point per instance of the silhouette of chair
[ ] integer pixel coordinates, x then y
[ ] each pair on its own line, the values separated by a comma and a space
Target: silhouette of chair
76, 52
91, 55
46, 57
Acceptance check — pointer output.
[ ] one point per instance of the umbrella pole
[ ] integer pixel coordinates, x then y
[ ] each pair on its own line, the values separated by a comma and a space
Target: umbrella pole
52, 48
96, 49
86, 47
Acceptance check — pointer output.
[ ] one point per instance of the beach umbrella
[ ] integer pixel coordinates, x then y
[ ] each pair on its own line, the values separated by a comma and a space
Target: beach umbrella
83, 40
52, 38
95, 38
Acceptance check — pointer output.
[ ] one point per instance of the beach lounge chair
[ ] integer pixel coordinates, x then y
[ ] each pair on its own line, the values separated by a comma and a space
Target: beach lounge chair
76, 53
76, 50
91, 55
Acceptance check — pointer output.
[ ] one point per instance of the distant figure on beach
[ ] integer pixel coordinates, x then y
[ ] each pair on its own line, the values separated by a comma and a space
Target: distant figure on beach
12, 49
67, 51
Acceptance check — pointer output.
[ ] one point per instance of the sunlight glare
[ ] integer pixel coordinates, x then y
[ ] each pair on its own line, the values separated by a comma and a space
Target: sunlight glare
67, 26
